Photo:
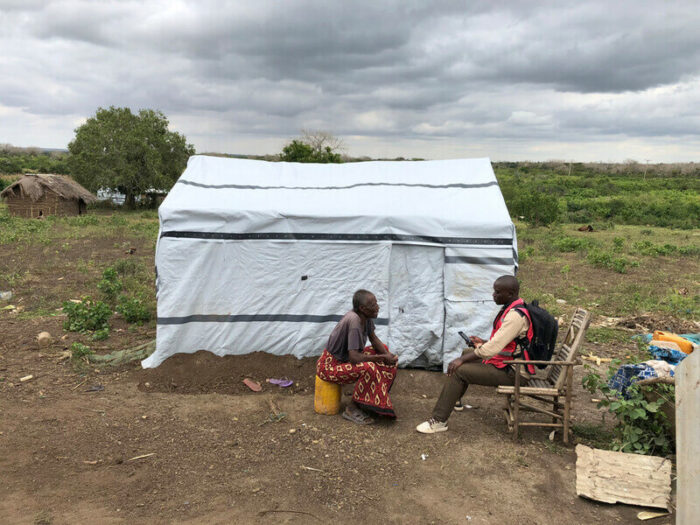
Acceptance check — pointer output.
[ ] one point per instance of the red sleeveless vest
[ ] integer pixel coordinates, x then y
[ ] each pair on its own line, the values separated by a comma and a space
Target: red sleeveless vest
500, 360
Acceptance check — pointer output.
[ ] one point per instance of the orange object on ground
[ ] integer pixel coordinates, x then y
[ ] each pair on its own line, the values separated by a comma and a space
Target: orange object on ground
685, 345
253, 385
326, 397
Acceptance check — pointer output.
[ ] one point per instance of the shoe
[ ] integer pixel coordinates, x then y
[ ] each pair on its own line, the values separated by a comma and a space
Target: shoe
459, 406
431, 426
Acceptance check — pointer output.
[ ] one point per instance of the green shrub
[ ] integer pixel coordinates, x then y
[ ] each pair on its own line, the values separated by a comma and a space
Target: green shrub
689, 250
642, 427
101, 334
572, 244
525, 254
601, 259
618, 244
133, 310
86, 315
129, 266
110, 285
603, 194
651, 249
79, 350
538, 208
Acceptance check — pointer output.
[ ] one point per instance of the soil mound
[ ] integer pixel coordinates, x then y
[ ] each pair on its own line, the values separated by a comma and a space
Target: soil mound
206, 373
650, 323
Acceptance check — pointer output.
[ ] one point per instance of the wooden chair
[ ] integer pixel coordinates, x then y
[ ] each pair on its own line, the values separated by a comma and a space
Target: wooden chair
556, 382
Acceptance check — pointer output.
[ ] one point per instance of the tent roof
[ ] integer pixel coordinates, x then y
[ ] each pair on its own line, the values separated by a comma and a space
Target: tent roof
424, 198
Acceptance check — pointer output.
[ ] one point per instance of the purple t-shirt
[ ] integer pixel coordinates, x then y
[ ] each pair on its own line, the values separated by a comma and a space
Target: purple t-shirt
348, 335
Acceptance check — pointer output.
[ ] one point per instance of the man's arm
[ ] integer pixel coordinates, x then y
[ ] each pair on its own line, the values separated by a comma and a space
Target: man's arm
467, 357
513, 325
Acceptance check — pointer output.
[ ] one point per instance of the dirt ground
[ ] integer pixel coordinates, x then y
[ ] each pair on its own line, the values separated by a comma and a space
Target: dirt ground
189, 443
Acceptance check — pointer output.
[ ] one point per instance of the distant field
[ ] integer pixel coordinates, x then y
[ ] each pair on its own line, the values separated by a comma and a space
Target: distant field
662, 195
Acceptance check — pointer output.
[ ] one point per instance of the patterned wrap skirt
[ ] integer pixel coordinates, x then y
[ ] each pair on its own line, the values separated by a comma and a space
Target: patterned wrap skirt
372, 381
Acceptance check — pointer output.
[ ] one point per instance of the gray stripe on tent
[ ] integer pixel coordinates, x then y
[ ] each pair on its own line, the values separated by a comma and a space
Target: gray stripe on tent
258, 318
350, 186
456, 259
336, 237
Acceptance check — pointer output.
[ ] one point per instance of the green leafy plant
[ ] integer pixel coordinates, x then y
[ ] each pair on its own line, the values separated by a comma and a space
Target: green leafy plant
86, 316
127, 266
538, 208
618, 244
602, 259
133, 310
572, 244
79, 350
651, 249
110, 285
642, 427
101, 334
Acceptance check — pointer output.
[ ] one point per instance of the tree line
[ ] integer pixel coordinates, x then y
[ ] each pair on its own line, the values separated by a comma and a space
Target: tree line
133, 153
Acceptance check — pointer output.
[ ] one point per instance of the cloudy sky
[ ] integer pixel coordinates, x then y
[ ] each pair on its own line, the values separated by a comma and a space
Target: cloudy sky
579, 80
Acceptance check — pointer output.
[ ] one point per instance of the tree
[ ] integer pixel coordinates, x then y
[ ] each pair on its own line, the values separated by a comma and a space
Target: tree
313, 146
130, 153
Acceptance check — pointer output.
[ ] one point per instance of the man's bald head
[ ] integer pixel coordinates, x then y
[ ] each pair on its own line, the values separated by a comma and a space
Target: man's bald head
508, 282
506, 289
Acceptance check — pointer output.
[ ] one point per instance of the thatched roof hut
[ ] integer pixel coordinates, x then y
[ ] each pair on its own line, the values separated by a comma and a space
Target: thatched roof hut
46, 194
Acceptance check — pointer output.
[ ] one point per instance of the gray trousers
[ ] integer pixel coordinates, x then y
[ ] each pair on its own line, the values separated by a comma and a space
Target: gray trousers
476, 373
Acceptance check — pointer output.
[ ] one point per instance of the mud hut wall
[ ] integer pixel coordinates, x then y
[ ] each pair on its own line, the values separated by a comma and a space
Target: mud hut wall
48, 204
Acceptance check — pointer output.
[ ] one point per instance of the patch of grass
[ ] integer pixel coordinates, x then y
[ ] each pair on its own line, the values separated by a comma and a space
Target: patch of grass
650, 249
554, 448
573, 244
604, 334
691, 250
687, 306
43, 517
128, 266
12, 278
596, 436
602, 259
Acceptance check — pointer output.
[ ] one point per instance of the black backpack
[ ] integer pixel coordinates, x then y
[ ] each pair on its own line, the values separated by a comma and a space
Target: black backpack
544, 333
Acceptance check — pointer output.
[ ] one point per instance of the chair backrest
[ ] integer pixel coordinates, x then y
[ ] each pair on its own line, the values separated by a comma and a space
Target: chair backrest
573, 340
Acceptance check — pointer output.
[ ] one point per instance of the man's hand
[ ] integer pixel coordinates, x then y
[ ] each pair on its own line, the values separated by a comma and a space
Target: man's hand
454, 365
476, 340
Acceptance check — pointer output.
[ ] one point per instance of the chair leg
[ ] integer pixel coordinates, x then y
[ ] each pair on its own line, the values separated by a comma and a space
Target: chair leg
567, 402
516, 403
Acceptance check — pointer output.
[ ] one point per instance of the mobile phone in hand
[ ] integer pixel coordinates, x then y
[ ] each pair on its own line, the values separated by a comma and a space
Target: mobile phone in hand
466, 339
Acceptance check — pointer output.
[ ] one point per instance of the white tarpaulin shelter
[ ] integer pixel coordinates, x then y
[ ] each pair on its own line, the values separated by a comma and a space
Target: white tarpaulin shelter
265, 256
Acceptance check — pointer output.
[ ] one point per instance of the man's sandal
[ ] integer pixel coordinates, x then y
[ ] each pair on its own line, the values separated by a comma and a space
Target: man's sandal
358, 417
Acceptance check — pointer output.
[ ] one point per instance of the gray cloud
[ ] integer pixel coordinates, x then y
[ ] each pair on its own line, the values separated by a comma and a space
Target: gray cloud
437, 74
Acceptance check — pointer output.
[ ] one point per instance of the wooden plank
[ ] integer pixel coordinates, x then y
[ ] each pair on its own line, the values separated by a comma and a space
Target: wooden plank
528, 390
613, 477
688, 439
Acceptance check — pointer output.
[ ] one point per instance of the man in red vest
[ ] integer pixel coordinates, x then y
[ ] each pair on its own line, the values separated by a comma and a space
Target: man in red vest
487, 364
